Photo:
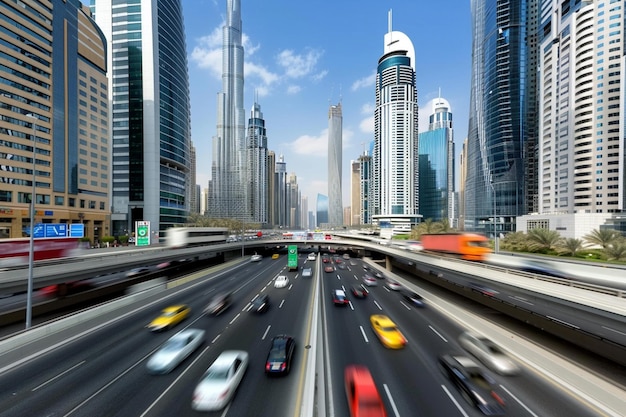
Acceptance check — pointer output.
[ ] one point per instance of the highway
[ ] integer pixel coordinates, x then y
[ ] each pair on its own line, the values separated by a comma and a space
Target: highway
100, 369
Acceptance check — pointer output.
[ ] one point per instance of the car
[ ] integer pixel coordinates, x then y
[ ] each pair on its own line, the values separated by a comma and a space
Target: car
256, 258
339, 298
169, 317
488, 353
379, 275
260, 304
275, 256
311, 257
341, 266
329, 269
366, 267
307, 272
280, 356
135, 272
281, 281
358, 291
346, 256
219, 383
325, 259
369, 280
361, 393
476, 387
483, 289
218, 304
394, 285
387, 331
176, 349
412, 297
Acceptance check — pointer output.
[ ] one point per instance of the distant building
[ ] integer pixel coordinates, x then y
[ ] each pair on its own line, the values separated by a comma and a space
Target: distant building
335, 203
321, 207
256, 176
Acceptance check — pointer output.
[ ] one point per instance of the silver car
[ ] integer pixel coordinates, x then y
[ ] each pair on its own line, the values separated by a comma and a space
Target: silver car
175, 350
488, 353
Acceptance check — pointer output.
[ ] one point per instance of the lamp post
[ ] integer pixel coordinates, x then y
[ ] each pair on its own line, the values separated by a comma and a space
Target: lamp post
31, 251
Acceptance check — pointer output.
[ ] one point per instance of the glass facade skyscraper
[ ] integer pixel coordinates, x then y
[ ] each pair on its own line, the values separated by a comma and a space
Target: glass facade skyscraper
257, 174
495, 165
335, 203
149, 90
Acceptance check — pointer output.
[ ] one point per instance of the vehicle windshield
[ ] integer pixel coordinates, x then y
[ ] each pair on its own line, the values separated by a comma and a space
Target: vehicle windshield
173, 345
388, 328
216, 374
492, 347
169, 313
277, 354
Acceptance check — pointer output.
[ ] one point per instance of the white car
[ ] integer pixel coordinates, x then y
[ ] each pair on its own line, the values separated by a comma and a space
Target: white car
220, 381
393, 285
281, 281
307, 272
175, 350
311, 257
256, 258
488, 353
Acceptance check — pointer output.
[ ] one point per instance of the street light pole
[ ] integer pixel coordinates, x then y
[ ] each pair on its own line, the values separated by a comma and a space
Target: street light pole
31, 251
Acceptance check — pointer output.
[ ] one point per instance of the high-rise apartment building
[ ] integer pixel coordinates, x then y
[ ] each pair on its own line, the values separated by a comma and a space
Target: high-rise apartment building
581, 152
194, 196
335, 142
149, 92
54, 124
321, 210
395, 204
436, 164
360, 190
498, 95
271, 189
228, 198
256, 175
280, 194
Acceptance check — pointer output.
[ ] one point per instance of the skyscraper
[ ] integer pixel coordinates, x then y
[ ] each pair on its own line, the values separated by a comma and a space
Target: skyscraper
335, 206
280, 193
436, 164
149, 91
54, 118
228, 197
495, 166
395, 204
256, 176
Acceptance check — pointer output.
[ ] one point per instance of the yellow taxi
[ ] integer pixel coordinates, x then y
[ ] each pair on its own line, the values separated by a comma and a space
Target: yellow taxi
387, 331
169, 317
275, 256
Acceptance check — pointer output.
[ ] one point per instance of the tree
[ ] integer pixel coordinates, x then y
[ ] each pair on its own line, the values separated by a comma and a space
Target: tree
543, 239
570, 246
517, 242
616, 250
602, 237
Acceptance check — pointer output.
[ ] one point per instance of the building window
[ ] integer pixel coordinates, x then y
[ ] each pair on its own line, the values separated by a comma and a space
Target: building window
59, 200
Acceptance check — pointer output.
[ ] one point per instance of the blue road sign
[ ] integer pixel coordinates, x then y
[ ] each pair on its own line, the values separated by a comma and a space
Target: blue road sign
77, 230
56, 230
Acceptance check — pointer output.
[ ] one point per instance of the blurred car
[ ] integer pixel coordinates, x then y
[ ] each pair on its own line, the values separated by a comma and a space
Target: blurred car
361, 393
175, 350
218, 304
169, 317
220, 381
358, 291
341, 266
325, 259
379, 275
307, 272
366, 267
475, 386
339, 298
353, 263
329, 269
135, 272
275, 256
488, 353
346, 256
256, 258
394, 285
483, 289
260, 304
311, 257
387, 331
281, 281
280, 355
369, 280
413, 297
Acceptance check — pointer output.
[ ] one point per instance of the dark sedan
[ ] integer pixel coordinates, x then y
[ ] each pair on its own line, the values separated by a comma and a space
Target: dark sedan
280, 355
413, 297
218, 304
475, 386
260, 304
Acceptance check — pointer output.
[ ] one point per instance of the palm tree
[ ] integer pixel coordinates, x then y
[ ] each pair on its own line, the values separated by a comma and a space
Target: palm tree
616, 250
515, 241
543, 238
602, 237
570, 246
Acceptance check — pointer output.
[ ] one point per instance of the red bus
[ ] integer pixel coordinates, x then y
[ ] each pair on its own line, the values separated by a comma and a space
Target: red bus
14, 252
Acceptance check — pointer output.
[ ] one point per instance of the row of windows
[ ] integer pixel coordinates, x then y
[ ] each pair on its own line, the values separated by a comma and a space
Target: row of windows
44, 199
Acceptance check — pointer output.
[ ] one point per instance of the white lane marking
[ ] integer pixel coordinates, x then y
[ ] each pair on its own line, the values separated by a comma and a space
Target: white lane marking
350, 304
338, 277
437, 333
215, 339
281, 303
378, 305
454, 401
266, 332
290, 285
364, 335
523, 300
563, 322
355, 277
234, 318
613, 330
393, 404
518, 401
405, 306
58, 376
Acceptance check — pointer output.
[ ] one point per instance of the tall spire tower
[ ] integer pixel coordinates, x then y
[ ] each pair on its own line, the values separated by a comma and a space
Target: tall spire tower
228, 197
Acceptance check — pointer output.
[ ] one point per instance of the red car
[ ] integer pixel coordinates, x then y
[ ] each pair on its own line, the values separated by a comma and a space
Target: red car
362, 394
329, 269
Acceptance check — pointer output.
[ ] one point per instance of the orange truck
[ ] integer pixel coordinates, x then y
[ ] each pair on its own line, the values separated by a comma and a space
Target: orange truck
469, 246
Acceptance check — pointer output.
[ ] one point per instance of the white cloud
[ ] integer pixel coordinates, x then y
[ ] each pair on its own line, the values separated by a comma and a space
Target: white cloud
294, 89
311, 145
298, 65
367, 125
208, 53
320, 75
364, 82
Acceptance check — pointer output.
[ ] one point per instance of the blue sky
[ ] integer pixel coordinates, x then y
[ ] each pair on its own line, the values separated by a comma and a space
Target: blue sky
301, 57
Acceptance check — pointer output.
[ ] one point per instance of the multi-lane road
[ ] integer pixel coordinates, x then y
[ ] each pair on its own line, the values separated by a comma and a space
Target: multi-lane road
101, 370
